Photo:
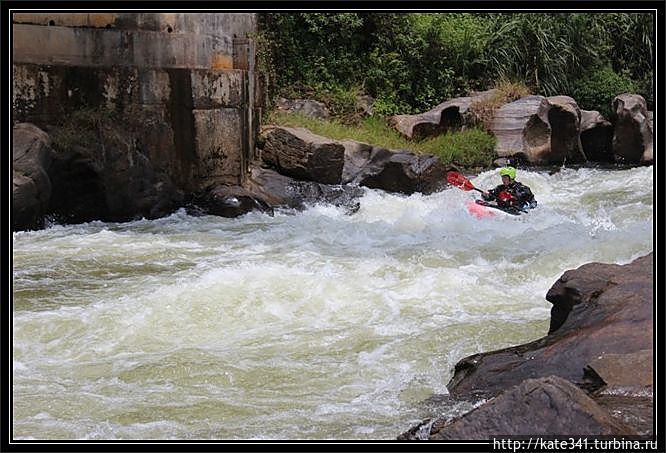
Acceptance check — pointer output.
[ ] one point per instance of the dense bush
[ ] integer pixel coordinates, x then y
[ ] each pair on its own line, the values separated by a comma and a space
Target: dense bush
470, 147
410, 62
596, 89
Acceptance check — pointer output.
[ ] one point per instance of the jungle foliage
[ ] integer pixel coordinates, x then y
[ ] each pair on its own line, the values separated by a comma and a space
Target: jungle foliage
410, 62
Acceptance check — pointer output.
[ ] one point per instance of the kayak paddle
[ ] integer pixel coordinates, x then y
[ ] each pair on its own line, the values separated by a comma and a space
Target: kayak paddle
456, 179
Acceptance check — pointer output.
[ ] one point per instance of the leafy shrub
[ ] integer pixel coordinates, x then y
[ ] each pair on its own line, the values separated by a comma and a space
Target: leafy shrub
410, 62
470, 147
596, 89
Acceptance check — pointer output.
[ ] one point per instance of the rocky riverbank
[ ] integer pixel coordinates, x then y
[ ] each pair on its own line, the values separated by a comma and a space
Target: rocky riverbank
108, 176
592, 374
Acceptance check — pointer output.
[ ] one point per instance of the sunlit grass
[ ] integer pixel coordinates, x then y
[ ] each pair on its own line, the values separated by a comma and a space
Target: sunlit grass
469, 147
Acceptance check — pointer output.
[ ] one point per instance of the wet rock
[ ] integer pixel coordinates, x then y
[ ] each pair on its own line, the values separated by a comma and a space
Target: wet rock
633, 136
300, 154
597, 309
231, 201
549, 406
107, 176
282, 191
31, 185
392, 171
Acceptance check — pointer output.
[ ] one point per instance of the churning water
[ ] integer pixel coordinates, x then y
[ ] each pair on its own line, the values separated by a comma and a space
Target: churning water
305, 325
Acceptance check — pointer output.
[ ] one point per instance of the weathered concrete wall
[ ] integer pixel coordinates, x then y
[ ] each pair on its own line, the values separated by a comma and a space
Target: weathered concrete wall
164, 40
185, 78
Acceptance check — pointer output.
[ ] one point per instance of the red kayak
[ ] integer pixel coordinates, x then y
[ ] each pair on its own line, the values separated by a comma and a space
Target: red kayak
482, 209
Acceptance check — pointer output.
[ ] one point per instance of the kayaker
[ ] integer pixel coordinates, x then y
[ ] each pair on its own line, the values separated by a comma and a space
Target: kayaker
511, 193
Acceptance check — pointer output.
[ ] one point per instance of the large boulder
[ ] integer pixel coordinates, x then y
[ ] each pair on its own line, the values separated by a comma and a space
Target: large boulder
304, 156
276, 190
31, 185
392, 171
598, 309
300, 154
549, 406
596, 136
565, 117
522, 129
449, 115
539, 130
633, 134
105, 175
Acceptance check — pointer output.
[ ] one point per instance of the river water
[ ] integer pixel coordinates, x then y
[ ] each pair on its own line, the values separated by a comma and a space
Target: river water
305, 325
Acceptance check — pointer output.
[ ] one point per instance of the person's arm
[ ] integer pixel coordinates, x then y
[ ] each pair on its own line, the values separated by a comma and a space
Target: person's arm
489, 195
523, 193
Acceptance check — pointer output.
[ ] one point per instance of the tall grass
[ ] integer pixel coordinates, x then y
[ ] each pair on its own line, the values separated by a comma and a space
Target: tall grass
505, 92
471, 147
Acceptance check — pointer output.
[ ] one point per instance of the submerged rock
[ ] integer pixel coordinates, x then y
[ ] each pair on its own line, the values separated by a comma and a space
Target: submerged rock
231, 201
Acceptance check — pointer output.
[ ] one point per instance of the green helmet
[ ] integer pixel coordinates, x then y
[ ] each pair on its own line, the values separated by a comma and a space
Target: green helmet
508, 171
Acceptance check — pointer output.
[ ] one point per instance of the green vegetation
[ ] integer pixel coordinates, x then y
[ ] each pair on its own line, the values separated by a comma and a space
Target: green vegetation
81, 127
410, 62
471, 147
600, 87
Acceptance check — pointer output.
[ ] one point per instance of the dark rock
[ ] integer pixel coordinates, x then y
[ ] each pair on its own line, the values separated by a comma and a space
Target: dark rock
357, 157
596, 136
392, 171
300, 154
564, 118
107, 176
549, 406
634, 410
231, 201
624, 374
282, 191
633, 137
584, 286
31, 185
597, 309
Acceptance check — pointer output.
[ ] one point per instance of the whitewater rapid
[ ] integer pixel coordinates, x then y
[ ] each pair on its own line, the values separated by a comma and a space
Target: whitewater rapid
303, 325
